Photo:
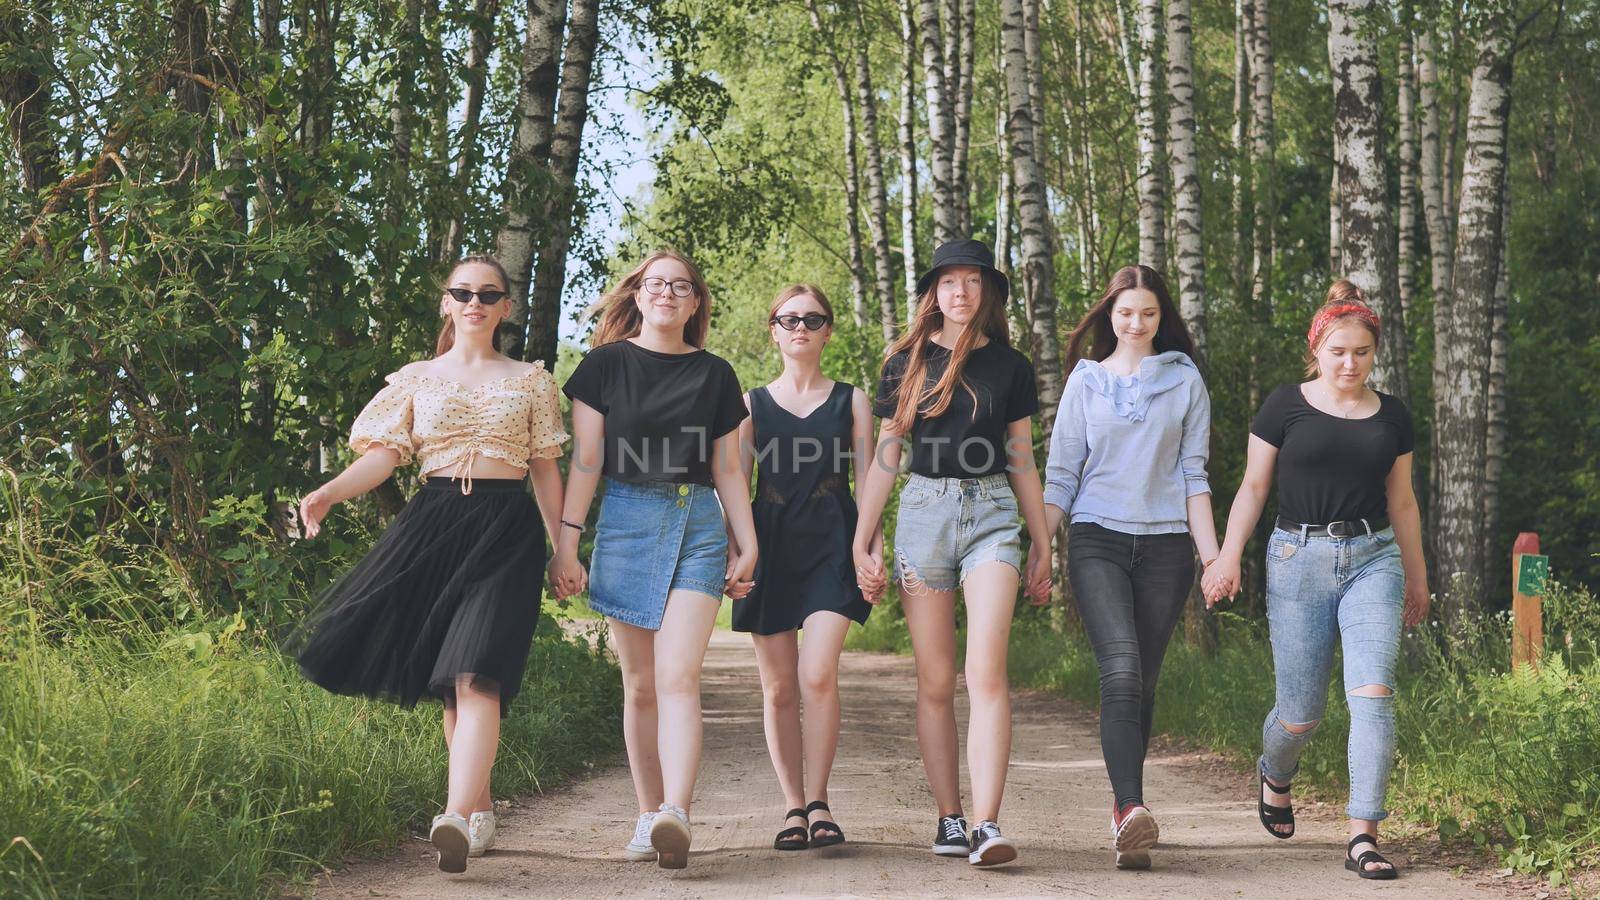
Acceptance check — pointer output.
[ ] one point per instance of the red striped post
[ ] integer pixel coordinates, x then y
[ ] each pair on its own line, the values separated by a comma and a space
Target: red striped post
1529, 572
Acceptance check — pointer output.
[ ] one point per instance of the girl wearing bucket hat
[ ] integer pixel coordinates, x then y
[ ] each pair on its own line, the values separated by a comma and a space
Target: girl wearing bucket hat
957, 395
1338, 571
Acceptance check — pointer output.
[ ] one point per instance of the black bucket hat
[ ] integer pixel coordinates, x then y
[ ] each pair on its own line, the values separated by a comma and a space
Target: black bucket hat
966, 252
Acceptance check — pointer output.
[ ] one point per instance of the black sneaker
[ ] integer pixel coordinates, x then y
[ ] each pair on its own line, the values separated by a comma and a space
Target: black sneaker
951, 838
990, 847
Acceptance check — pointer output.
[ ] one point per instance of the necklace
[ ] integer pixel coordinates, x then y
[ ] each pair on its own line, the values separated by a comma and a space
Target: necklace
1345, 412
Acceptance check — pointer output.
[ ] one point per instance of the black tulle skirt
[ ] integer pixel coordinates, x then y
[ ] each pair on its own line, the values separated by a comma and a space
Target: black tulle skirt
450, 591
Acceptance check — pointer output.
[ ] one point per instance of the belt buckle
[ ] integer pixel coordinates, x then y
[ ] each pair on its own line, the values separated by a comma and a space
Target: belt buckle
1337, 529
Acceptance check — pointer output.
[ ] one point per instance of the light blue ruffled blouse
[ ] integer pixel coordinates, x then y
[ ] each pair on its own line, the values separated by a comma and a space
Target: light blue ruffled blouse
1129, 451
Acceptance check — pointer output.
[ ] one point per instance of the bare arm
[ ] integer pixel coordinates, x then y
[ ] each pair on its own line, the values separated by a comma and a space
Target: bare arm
747, 462
861, 456
583, 476
1024, 477
882, 468
1222, 576
1406, 519
547, 492
733, 489
372, 469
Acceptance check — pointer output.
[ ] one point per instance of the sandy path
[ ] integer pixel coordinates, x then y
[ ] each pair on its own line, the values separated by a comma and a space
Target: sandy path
569, 843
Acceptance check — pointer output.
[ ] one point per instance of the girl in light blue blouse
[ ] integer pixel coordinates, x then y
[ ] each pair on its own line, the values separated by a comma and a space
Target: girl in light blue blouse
1127, 464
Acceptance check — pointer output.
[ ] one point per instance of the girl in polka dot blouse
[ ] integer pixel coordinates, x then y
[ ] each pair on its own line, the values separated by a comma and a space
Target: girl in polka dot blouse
445, 603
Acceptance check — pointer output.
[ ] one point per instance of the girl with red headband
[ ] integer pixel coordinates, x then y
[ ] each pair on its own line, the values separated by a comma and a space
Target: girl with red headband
1344, 563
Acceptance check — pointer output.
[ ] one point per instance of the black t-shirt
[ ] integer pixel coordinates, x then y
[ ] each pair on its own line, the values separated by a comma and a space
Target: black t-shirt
1332, 469
965, 442
663, 411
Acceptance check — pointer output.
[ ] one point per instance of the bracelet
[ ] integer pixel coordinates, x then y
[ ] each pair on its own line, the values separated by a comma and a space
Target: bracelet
572, 525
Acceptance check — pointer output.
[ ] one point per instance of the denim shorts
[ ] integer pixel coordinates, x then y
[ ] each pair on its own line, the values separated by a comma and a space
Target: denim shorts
653, 538
947, 527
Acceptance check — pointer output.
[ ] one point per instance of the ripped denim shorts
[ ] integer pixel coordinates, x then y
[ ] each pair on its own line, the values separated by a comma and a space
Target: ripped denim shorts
947, 527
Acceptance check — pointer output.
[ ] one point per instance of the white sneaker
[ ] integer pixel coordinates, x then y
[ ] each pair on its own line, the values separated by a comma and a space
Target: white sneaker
639, 849
452, 838
669, 834
1134, 838
480, 827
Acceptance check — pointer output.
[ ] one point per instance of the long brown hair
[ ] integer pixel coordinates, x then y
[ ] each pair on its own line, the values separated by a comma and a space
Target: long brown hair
447, 331
619, 315
801, 289
1171, 334
911, 397
1336, 313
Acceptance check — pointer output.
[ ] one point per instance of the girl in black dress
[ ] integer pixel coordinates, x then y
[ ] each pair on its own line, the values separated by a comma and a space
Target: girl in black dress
802, 429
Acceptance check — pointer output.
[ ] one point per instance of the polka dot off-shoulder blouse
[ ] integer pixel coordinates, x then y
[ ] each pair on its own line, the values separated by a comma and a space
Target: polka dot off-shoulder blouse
444, 423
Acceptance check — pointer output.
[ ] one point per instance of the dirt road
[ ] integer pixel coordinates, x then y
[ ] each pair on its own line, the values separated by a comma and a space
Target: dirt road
569, 843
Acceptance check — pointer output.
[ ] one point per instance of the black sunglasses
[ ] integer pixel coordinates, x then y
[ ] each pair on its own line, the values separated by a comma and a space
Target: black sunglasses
487, 298
813, 321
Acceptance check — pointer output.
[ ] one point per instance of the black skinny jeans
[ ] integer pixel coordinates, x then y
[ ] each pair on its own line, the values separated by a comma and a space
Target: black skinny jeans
1130, 590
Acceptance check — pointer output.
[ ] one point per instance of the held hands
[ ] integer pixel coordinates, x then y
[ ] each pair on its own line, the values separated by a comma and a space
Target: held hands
870, 576
1221, 579
1038, 582
314, 508
567, 575
740, 577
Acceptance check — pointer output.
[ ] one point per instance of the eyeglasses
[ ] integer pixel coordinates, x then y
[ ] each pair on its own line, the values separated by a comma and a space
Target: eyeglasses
680, 288
487, 298
813, 321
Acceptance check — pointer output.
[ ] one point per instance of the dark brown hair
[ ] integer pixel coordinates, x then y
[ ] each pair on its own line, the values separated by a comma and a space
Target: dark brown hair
447, 331
620, 318
1171, 334
911, 399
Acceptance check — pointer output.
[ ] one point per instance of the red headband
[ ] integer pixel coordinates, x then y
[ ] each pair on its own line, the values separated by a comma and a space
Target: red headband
1326, 317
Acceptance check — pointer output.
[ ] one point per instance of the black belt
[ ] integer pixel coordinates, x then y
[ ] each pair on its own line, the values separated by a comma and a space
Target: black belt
1352, 528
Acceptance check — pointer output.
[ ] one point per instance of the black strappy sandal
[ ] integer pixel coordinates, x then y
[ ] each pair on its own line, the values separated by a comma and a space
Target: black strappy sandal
1359, 864
792, 838
826, 840
1274, 815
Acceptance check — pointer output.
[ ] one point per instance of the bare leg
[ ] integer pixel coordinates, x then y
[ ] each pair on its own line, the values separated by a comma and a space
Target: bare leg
485, 800
931, 619
680, 651
778, 655
636, 652
473, 743
991, 595
819, 689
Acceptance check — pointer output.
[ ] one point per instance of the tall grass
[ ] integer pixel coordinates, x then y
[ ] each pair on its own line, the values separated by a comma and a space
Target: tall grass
151, 746
1507, 760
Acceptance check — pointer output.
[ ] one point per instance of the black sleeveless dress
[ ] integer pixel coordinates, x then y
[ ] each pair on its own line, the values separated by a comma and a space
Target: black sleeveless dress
805, 516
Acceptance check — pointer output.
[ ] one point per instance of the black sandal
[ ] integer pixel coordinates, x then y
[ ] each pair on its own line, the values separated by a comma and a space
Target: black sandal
1274, 815
1359, 864
792, 838
827, 840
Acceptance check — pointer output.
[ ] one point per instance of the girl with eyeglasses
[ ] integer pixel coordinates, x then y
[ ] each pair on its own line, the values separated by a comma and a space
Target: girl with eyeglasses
804, 430
956, 392
657, 417
445, 603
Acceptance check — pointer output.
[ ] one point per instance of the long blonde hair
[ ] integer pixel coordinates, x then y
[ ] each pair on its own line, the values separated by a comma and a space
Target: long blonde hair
911, 398
447, 331
619, 315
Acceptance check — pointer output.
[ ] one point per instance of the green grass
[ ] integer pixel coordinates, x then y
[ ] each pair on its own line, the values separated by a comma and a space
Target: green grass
198, 762
1508, 761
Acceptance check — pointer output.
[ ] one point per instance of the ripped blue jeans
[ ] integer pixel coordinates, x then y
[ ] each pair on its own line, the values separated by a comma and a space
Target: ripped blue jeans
1322, 591
947, 527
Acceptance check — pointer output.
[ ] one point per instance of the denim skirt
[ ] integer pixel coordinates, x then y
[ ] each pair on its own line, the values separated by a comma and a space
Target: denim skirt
653, 538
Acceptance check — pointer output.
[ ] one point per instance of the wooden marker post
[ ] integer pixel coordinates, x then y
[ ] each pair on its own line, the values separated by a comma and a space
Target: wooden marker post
1529, 572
